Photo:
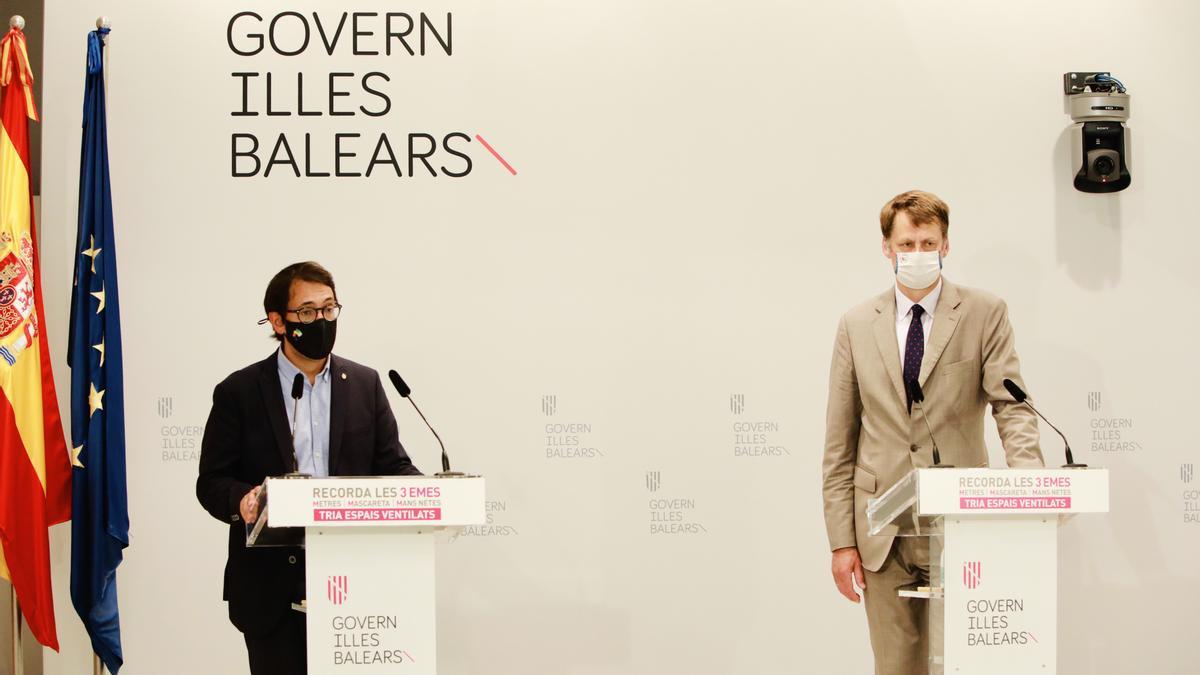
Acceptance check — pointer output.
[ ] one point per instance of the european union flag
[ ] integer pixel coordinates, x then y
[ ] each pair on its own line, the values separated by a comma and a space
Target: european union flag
100, 511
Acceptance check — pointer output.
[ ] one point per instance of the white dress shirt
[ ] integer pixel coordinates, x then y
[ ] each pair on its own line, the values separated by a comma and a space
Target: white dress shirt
904, 316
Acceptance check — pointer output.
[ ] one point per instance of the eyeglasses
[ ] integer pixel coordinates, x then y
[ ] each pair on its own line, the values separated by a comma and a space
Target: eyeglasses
310, 314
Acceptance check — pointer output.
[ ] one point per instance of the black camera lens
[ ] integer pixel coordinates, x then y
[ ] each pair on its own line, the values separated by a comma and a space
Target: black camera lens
1104, 165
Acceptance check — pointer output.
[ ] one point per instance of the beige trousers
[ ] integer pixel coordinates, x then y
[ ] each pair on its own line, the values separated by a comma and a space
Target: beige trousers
898, 625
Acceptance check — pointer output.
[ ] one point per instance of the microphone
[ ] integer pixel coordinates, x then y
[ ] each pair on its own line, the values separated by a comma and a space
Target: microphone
398, 382
1021, 397
297, 394
918, 396
403, 389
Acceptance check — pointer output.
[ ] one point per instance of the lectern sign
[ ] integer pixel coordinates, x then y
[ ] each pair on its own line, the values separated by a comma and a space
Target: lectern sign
1014, 491
372, 501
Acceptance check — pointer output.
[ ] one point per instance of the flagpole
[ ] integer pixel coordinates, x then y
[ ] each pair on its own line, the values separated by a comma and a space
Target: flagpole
18, 654
97, 665
103, 23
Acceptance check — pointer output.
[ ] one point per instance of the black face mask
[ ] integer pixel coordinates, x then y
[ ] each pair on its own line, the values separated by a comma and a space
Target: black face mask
313, 340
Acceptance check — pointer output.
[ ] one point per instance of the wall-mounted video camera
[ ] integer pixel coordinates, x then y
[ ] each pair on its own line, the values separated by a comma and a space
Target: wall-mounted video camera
1099, 106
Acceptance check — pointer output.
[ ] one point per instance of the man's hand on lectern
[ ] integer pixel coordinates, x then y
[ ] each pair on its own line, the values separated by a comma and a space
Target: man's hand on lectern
848, 571
249, 506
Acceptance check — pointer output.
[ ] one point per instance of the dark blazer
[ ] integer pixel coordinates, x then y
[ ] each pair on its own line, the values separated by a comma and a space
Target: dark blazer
247, 439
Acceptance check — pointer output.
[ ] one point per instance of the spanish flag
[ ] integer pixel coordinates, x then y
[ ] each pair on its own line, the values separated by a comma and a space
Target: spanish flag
35, 467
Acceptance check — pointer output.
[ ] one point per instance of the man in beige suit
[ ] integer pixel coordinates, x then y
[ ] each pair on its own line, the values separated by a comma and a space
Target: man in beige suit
955, 342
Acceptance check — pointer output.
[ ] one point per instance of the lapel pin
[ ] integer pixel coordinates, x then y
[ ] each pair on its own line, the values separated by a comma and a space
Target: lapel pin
343, 376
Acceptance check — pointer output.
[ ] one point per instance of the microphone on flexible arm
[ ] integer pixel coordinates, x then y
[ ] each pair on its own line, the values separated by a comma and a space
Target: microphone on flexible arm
404, 391
918, 396
283, 536
297, 394
1021, 397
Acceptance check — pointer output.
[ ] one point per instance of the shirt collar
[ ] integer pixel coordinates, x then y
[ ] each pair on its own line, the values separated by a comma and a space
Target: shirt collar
928, 303
289, 370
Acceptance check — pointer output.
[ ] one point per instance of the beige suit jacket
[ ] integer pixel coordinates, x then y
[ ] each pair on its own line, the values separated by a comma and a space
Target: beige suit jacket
871, 440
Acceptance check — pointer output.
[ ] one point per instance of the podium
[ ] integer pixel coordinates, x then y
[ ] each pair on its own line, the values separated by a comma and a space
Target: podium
370, 592
993, 551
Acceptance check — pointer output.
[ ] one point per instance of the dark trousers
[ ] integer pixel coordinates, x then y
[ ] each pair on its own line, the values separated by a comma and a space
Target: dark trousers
282, 651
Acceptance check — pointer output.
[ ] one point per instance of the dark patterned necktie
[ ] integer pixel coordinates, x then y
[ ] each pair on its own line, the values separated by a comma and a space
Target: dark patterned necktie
914, 351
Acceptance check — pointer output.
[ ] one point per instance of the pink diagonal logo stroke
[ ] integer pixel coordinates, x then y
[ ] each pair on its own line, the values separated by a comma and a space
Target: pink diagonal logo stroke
496, 154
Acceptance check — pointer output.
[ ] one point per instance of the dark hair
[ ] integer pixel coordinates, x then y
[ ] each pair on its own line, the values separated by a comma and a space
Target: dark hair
279, 290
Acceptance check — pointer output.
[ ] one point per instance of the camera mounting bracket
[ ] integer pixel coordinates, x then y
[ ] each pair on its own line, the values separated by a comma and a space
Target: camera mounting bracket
1075, 83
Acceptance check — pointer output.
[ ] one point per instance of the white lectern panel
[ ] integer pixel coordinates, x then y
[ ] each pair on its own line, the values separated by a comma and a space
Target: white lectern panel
1001, 595
371, 602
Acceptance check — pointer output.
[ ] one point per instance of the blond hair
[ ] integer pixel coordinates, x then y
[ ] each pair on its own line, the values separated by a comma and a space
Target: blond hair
922, 208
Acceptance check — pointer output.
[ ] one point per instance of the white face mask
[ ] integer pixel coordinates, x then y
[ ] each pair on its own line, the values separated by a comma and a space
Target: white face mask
918, 270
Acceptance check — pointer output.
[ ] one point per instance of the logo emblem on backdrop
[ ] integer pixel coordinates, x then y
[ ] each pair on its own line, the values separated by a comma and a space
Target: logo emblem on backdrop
1185, 473
1094, 401
549, 404
737, 403
653, 480
166, 405
336, 589
972, 574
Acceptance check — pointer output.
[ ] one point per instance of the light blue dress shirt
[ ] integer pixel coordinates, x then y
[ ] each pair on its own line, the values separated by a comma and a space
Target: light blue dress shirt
310, 418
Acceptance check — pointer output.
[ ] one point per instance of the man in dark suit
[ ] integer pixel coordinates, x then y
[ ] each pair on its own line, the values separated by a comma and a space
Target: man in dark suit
343, 427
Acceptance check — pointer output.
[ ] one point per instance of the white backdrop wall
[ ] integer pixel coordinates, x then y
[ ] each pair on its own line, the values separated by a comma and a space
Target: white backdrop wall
695, 205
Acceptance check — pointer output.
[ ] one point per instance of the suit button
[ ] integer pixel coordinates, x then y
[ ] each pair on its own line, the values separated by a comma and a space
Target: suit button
291, 559
914, 447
